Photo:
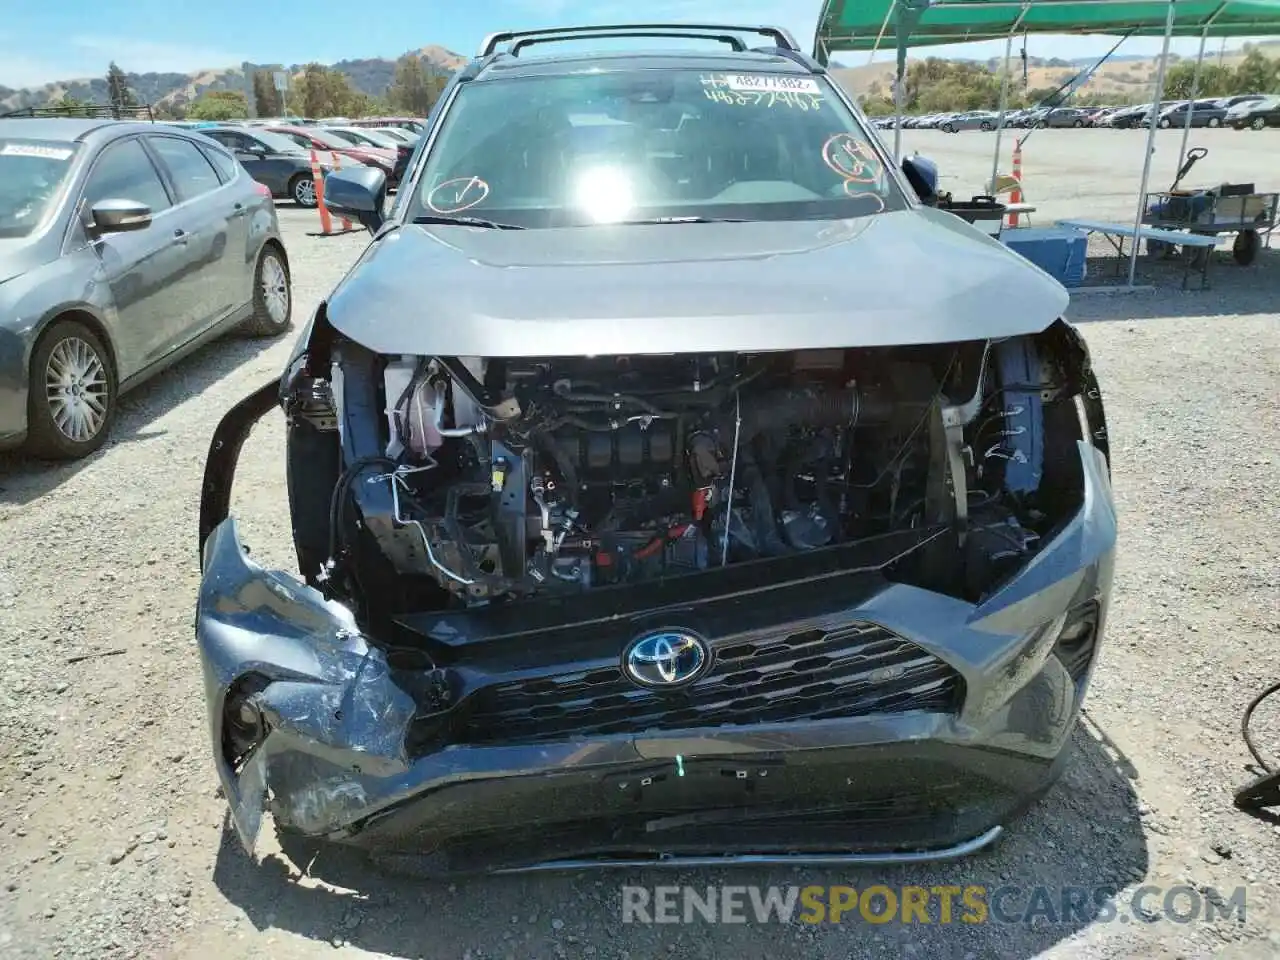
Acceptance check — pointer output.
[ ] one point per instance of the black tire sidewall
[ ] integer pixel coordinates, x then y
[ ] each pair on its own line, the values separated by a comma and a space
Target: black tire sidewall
44, 439
1245, 248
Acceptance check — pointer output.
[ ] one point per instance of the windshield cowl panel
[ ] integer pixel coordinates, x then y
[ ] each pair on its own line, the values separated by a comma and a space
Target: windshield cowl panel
652, 145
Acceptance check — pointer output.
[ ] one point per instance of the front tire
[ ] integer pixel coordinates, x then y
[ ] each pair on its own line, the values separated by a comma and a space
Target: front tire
71, 401
1215, 122
1078, 123
986, 125
1164, 123
272, 295
302, 188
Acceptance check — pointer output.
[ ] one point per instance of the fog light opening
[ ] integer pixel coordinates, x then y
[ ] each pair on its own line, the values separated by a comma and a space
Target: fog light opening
244, 727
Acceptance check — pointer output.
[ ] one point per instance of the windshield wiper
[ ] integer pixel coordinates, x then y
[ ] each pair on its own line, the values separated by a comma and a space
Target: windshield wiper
468, 222
633, 223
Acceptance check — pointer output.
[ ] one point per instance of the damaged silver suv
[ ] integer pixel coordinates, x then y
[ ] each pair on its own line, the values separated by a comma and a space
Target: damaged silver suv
669, 482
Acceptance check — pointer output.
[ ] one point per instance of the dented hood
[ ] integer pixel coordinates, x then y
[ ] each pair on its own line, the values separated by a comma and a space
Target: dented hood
914, 276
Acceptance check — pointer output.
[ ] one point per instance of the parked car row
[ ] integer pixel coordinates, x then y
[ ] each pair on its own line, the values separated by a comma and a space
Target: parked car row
123, 247
277, 152
1253, 111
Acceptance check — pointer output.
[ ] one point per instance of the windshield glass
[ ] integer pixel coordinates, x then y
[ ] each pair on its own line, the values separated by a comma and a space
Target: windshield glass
275, 142
331, 139
32, 174
649, 145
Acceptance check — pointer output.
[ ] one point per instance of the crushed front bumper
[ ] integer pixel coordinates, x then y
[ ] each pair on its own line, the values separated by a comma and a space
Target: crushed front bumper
351, 746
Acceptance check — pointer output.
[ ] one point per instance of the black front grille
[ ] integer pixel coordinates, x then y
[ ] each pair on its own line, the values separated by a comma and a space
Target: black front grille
856, 670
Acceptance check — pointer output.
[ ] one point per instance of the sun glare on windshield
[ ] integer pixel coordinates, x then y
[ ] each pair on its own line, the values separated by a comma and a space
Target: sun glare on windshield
604, 194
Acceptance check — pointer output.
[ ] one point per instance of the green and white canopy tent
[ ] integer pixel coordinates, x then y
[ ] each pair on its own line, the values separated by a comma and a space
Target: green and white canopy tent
852, 25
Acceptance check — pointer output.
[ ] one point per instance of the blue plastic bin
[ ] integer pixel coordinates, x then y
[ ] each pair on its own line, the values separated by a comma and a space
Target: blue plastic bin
1058, 251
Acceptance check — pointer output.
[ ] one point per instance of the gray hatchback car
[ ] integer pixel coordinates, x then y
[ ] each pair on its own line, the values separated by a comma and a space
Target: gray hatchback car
123, 247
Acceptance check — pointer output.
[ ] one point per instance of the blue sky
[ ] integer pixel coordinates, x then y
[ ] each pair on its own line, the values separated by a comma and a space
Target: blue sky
62, 39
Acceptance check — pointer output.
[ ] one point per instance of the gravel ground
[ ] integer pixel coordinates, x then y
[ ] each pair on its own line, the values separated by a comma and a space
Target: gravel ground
115, 840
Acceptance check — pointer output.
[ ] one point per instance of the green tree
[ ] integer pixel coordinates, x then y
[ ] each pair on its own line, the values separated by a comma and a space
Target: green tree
72, 106
321, 92
266, 98
119, 96
219, 105
1256, 73
1215, 81
414, 89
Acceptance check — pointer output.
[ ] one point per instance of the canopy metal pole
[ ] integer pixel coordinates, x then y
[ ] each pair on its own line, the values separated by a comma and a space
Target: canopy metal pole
1191, 103
1151, 141
1004, 98
898, 91
1195, 84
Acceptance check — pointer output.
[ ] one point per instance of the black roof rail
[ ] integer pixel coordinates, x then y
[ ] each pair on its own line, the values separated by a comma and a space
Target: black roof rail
780, 35
725, 38
93, 111
797, 56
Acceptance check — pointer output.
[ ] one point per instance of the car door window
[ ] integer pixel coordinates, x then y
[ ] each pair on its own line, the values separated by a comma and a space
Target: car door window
232, 141
192, 172
124, 171
226, 166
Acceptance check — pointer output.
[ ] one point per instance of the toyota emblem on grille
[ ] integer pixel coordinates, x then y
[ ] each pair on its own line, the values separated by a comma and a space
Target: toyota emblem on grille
666, 659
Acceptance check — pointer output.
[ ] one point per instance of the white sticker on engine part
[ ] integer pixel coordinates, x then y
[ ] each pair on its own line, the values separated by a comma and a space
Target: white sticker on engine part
35, 150
771, 83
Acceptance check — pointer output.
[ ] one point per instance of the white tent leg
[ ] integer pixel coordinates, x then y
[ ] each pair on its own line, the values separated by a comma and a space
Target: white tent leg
1195, 90
1004, 105
1151, 141
898, 89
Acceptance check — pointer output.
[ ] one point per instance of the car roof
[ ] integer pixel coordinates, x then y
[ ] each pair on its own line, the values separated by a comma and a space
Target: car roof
74, 128
503, 66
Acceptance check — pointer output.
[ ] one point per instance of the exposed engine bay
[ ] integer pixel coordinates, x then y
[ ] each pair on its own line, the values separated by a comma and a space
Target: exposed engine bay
487, 480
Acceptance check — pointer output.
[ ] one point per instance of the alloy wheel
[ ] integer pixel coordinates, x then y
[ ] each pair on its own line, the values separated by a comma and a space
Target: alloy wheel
304, 191
275, 288
76, 390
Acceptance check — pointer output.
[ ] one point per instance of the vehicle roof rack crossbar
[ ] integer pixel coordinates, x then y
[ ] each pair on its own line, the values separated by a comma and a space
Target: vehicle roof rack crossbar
725, 38
491, 43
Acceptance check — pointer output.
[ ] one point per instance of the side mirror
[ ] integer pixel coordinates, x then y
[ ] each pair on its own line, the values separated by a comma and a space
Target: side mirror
119, 216
357, 193
922, 174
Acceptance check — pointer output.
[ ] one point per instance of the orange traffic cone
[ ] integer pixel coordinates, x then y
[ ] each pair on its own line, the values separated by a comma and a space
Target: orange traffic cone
326, 221
1015, 195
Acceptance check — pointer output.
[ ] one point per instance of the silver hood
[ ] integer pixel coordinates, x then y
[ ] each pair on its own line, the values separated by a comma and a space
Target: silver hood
915, 276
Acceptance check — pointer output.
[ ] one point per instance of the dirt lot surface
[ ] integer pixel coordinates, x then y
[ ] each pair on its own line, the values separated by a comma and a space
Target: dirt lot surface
1094, 173
114, 840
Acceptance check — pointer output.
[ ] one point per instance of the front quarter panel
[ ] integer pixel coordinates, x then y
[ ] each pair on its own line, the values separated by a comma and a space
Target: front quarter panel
64, 285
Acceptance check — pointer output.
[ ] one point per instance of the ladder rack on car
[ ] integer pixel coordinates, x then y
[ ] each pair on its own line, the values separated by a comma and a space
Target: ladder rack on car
707, 31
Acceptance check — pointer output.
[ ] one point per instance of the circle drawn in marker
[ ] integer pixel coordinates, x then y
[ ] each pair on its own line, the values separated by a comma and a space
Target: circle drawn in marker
851, 158
458, 194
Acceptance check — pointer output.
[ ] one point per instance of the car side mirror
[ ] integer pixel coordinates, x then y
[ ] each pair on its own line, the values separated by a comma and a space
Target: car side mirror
922, 174
357, 193
119, 216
